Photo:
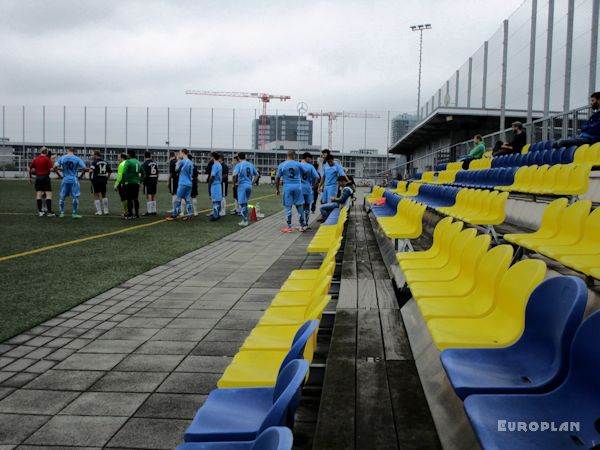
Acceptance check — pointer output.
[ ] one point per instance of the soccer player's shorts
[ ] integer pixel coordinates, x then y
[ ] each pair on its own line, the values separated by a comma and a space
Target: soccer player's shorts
99, 187
194, 189
173, 185
42, 183
328, 192
243, 193
184, 192
132, 191
307, 195
71, 189
216, 192
150, 187
292, 195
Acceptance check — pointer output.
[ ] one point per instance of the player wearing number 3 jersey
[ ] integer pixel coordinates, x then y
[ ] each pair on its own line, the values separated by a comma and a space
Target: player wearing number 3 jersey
291, 171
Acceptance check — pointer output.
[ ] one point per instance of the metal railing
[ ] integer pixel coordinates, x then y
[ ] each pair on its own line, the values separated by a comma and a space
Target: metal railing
555, 127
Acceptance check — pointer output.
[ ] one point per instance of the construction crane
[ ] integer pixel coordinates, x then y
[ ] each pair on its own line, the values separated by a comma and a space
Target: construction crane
263, 98
332, 115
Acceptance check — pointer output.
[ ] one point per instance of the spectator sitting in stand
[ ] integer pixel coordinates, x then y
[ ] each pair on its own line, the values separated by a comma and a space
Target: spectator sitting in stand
518, 141
590, 129
476, 152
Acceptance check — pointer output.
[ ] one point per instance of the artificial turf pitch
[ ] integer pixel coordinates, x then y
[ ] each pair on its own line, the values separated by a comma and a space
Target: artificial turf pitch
37, 287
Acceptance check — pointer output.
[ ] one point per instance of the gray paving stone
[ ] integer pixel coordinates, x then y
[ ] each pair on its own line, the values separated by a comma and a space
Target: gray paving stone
106, 325
135, 334
40, 353
77, 431
74, 333
149, 363
144, 322
202, 314
38, 341
5, 376
16, 427
58, 320
111, 346
4, 391
226, 335
60, 354
150, 433
171, 406
20, 351
56, 331
19, 379
25, 401
59, 342
41, 366
180, 334
190, 383
215, 348
5, 361
159, 312
210, 364
193, 323
166, 347
105, 404
5, 348
91, 361
19, 365
129, 381
207, 304
76, 344
19, 339
92, 334
66, 380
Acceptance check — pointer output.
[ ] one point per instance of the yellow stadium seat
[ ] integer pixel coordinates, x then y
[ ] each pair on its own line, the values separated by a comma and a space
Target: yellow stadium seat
595, 273
493, 211
311, 274
375, 194
569, 231
593, 155
412, 190
549, 225
525, 148
578, 182
273, 338
505, 322
401, 187
587, 244
295, 315
535, 184
581, 154
480, 164
451, 268
455, 166
454, 242
445, 176
465, 280
301, 298
522, 180
440, 233
548, 182
407, 223
582, 263
427, 177
478, 302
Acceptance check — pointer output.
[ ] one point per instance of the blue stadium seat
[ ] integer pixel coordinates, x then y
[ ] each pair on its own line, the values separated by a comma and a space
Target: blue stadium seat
539, 158
441, 167
389, 208
547, 156
241, 414
417, 176
534, 147
557, 156
332, 219
575, 401
274, 438
548, 145
538, 361
569, 155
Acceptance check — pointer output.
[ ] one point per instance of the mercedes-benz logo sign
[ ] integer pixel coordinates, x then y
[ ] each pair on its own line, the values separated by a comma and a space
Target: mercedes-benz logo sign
302, 108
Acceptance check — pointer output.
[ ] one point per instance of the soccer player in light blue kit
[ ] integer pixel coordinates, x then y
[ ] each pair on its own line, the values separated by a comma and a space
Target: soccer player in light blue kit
71, 165
185, 169
291, 171
216, 186
329, 180
244, 176
309, 178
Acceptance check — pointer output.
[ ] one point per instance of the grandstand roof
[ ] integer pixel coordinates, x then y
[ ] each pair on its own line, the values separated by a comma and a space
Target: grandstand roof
444, 120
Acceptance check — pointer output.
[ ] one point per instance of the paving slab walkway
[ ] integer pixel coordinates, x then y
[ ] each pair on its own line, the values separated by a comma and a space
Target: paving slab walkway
129, 368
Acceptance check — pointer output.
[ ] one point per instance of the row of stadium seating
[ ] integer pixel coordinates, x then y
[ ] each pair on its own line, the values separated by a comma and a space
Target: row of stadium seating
568, 234
258, 393
502, 331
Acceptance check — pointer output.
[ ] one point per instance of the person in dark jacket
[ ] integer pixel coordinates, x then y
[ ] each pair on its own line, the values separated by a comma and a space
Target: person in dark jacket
590, 129
347, 185
518, 141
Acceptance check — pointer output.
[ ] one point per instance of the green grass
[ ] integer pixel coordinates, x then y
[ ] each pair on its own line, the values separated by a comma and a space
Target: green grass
36, 287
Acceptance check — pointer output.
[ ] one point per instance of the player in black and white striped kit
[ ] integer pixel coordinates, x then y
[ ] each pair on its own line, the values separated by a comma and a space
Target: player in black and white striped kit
99, 174
150, 183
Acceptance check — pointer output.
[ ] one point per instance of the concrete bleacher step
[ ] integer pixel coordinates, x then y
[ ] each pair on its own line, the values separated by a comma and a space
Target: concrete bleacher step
371, 395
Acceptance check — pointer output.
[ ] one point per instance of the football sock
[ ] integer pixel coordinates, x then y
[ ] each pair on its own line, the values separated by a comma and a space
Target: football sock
75, 205
105, 203
244, 211
189, 207
288, 216
136, 205
97, 205
61, 204
39, 205
300, 214
195, 205
49, 205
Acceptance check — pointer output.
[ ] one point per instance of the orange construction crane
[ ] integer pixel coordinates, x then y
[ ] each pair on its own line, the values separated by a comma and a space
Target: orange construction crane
332, 115
263, 98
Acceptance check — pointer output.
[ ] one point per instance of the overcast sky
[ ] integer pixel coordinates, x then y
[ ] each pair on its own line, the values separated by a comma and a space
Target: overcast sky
342, 55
